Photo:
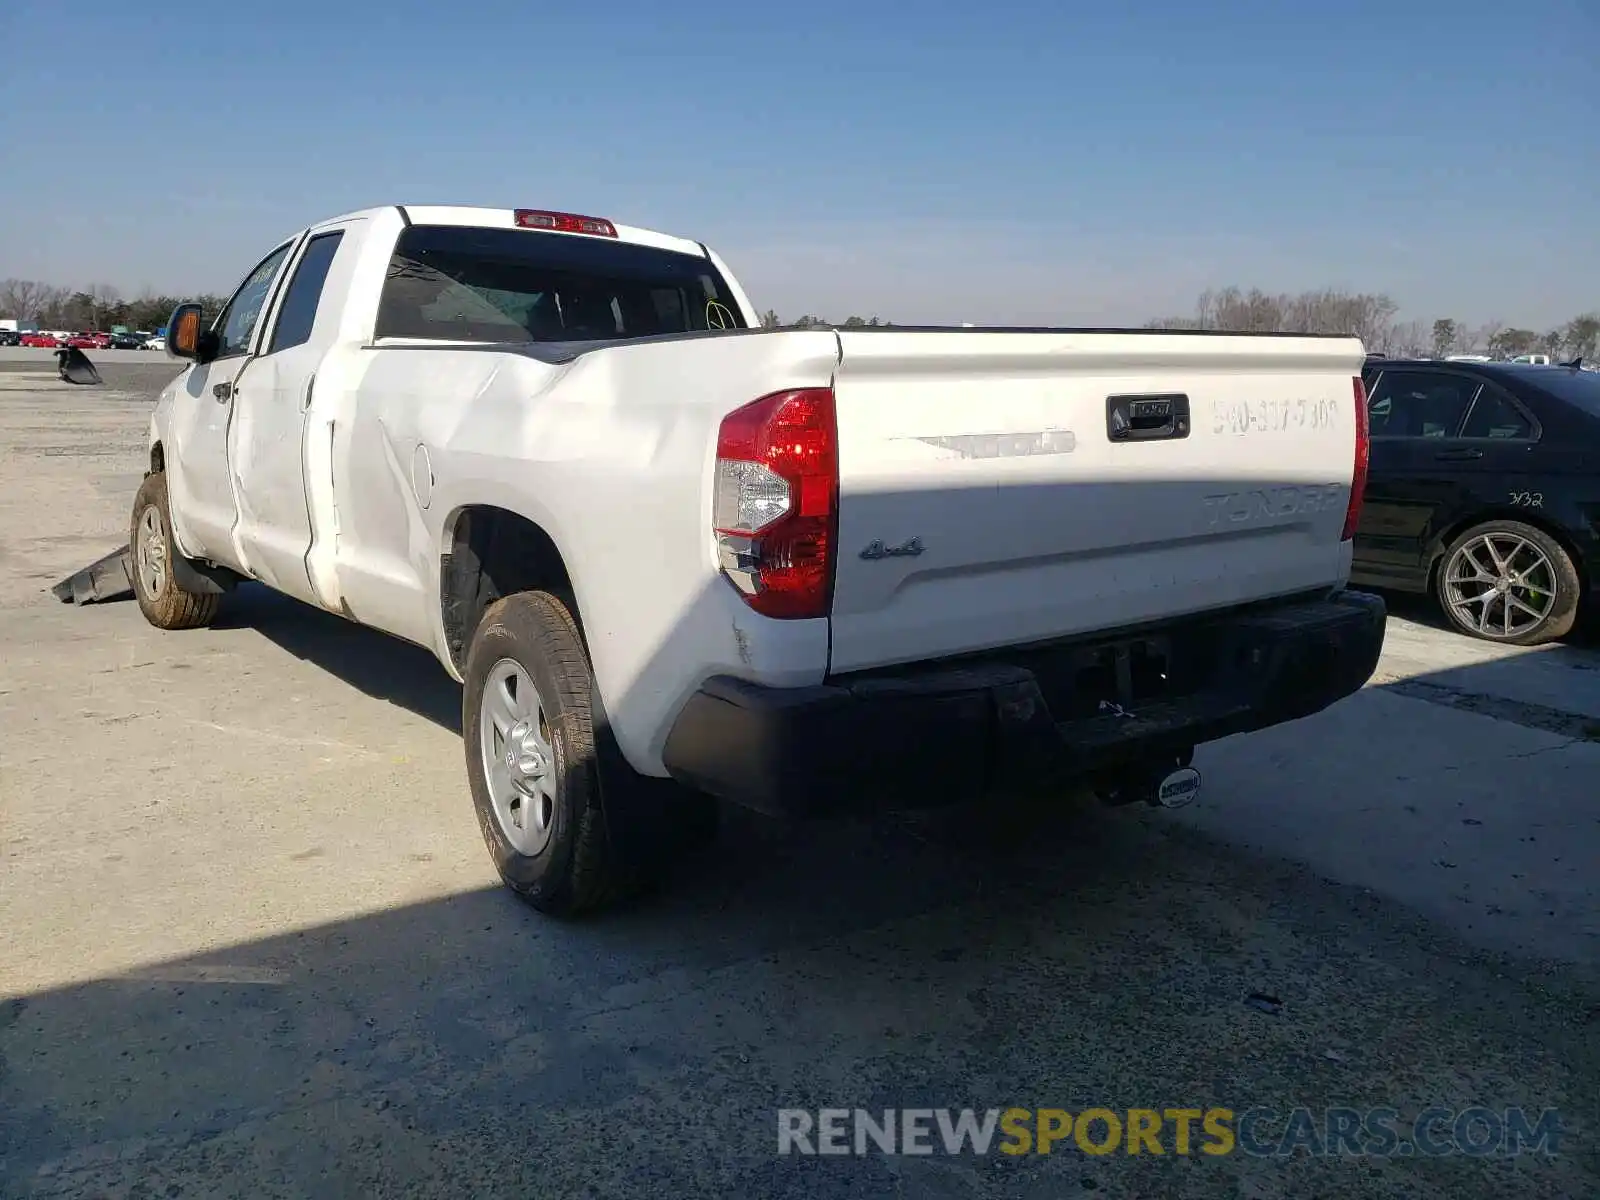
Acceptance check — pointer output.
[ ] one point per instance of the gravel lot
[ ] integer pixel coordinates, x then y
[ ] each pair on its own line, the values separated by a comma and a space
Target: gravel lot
250, 943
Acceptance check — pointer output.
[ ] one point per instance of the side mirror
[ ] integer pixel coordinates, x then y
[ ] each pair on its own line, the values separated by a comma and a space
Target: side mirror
187, 337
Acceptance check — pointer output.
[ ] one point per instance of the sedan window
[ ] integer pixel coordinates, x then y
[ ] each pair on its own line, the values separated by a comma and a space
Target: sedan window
1419, 404
1495, 416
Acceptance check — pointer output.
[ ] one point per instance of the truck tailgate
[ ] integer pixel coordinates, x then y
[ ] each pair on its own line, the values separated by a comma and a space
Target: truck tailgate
999, 488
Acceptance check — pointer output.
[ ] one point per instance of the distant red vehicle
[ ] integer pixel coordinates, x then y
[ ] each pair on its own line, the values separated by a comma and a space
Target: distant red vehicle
41, 341
90, 341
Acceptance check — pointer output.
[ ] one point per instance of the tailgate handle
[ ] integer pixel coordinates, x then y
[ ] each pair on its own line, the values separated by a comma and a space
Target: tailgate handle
1147, 418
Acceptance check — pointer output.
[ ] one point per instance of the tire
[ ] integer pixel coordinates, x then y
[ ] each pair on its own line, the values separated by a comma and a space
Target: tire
547, 831
151, 548
1485, 557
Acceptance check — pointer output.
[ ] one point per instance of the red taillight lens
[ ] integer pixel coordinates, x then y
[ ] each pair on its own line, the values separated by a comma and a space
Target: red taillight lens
535, 218
1358, 476
775, 511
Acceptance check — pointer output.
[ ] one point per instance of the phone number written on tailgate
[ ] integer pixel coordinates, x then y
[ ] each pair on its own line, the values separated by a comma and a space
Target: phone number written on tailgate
1240, 417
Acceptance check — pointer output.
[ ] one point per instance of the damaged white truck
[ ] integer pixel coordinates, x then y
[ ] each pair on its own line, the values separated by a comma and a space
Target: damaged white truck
675, 558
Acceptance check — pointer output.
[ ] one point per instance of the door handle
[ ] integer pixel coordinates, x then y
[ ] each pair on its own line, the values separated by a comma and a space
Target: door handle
223, 392
1149, 418
1458, 455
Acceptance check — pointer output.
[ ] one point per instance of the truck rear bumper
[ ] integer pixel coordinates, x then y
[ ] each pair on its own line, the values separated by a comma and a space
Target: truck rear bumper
944, 733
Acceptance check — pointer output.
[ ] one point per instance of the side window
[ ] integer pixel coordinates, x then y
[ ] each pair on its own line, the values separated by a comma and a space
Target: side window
238, 320
1495, 416
299, 310
1419, 404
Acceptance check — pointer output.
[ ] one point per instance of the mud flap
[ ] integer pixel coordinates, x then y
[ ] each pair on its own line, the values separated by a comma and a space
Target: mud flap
650, 822
75, 366
104, 579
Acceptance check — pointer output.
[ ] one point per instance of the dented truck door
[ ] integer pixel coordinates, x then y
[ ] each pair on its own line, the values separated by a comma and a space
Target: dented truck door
199, 476
267, 443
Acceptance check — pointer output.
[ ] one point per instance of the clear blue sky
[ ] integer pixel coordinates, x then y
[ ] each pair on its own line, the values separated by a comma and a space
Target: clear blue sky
927, 160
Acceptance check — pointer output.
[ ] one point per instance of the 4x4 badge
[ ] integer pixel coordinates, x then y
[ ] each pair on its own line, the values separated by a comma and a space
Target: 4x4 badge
909, 548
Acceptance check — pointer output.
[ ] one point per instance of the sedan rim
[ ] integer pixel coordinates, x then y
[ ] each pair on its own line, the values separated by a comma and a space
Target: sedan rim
1500, 585
519, 764
150, 552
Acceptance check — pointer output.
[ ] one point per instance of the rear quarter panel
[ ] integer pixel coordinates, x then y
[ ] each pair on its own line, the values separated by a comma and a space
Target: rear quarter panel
612, 455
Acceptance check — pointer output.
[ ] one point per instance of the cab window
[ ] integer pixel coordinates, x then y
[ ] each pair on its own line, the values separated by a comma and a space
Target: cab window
298, 313
237, 324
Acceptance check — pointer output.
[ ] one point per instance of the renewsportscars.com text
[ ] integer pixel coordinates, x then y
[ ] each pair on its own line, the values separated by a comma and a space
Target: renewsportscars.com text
1258, 1132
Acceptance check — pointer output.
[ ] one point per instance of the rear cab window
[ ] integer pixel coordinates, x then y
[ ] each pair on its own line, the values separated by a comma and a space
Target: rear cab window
468, 284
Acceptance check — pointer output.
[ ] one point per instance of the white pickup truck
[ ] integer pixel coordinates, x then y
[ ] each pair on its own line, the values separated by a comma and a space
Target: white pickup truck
674, 557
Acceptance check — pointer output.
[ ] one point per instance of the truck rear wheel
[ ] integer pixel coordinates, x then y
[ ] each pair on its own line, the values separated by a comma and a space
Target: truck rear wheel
542, 787
151, 551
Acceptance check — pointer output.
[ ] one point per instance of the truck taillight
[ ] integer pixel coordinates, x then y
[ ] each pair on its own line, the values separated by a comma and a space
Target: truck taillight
1358, 476
775, 512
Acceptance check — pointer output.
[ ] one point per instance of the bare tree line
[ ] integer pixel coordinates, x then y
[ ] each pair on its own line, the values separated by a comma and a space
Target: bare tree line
770, 320
96, 306
1372, 318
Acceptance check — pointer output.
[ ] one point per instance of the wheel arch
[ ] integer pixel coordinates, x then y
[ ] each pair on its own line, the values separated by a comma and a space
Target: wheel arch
488, 551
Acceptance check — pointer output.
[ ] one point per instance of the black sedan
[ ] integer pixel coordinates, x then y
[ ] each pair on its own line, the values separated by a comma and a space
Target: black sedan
1484, 489
126, 341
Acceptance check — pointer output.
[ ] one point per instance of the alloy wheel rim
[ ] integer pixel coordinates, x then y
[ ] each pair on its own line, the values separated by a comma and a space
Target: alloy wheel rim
1500, 585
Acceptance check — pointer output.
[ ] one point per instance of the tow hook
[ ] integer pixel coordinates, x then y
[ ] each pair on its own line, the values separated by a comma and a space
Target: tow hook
1178, 786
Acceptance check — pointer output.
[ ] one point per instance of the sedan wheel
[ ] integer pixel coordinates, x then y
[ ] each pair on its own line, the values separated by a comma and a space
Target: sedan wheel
1509, 582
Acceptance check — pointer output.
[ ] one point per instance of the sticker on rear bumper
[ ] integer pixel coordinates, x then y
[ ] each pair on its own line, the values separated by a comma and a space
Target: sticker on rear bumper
1179, 788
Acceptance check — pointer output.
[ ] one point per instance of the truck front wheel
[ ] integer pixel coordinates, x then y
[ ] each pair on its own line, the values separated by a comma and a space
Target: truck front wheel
151, 551
534, 765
